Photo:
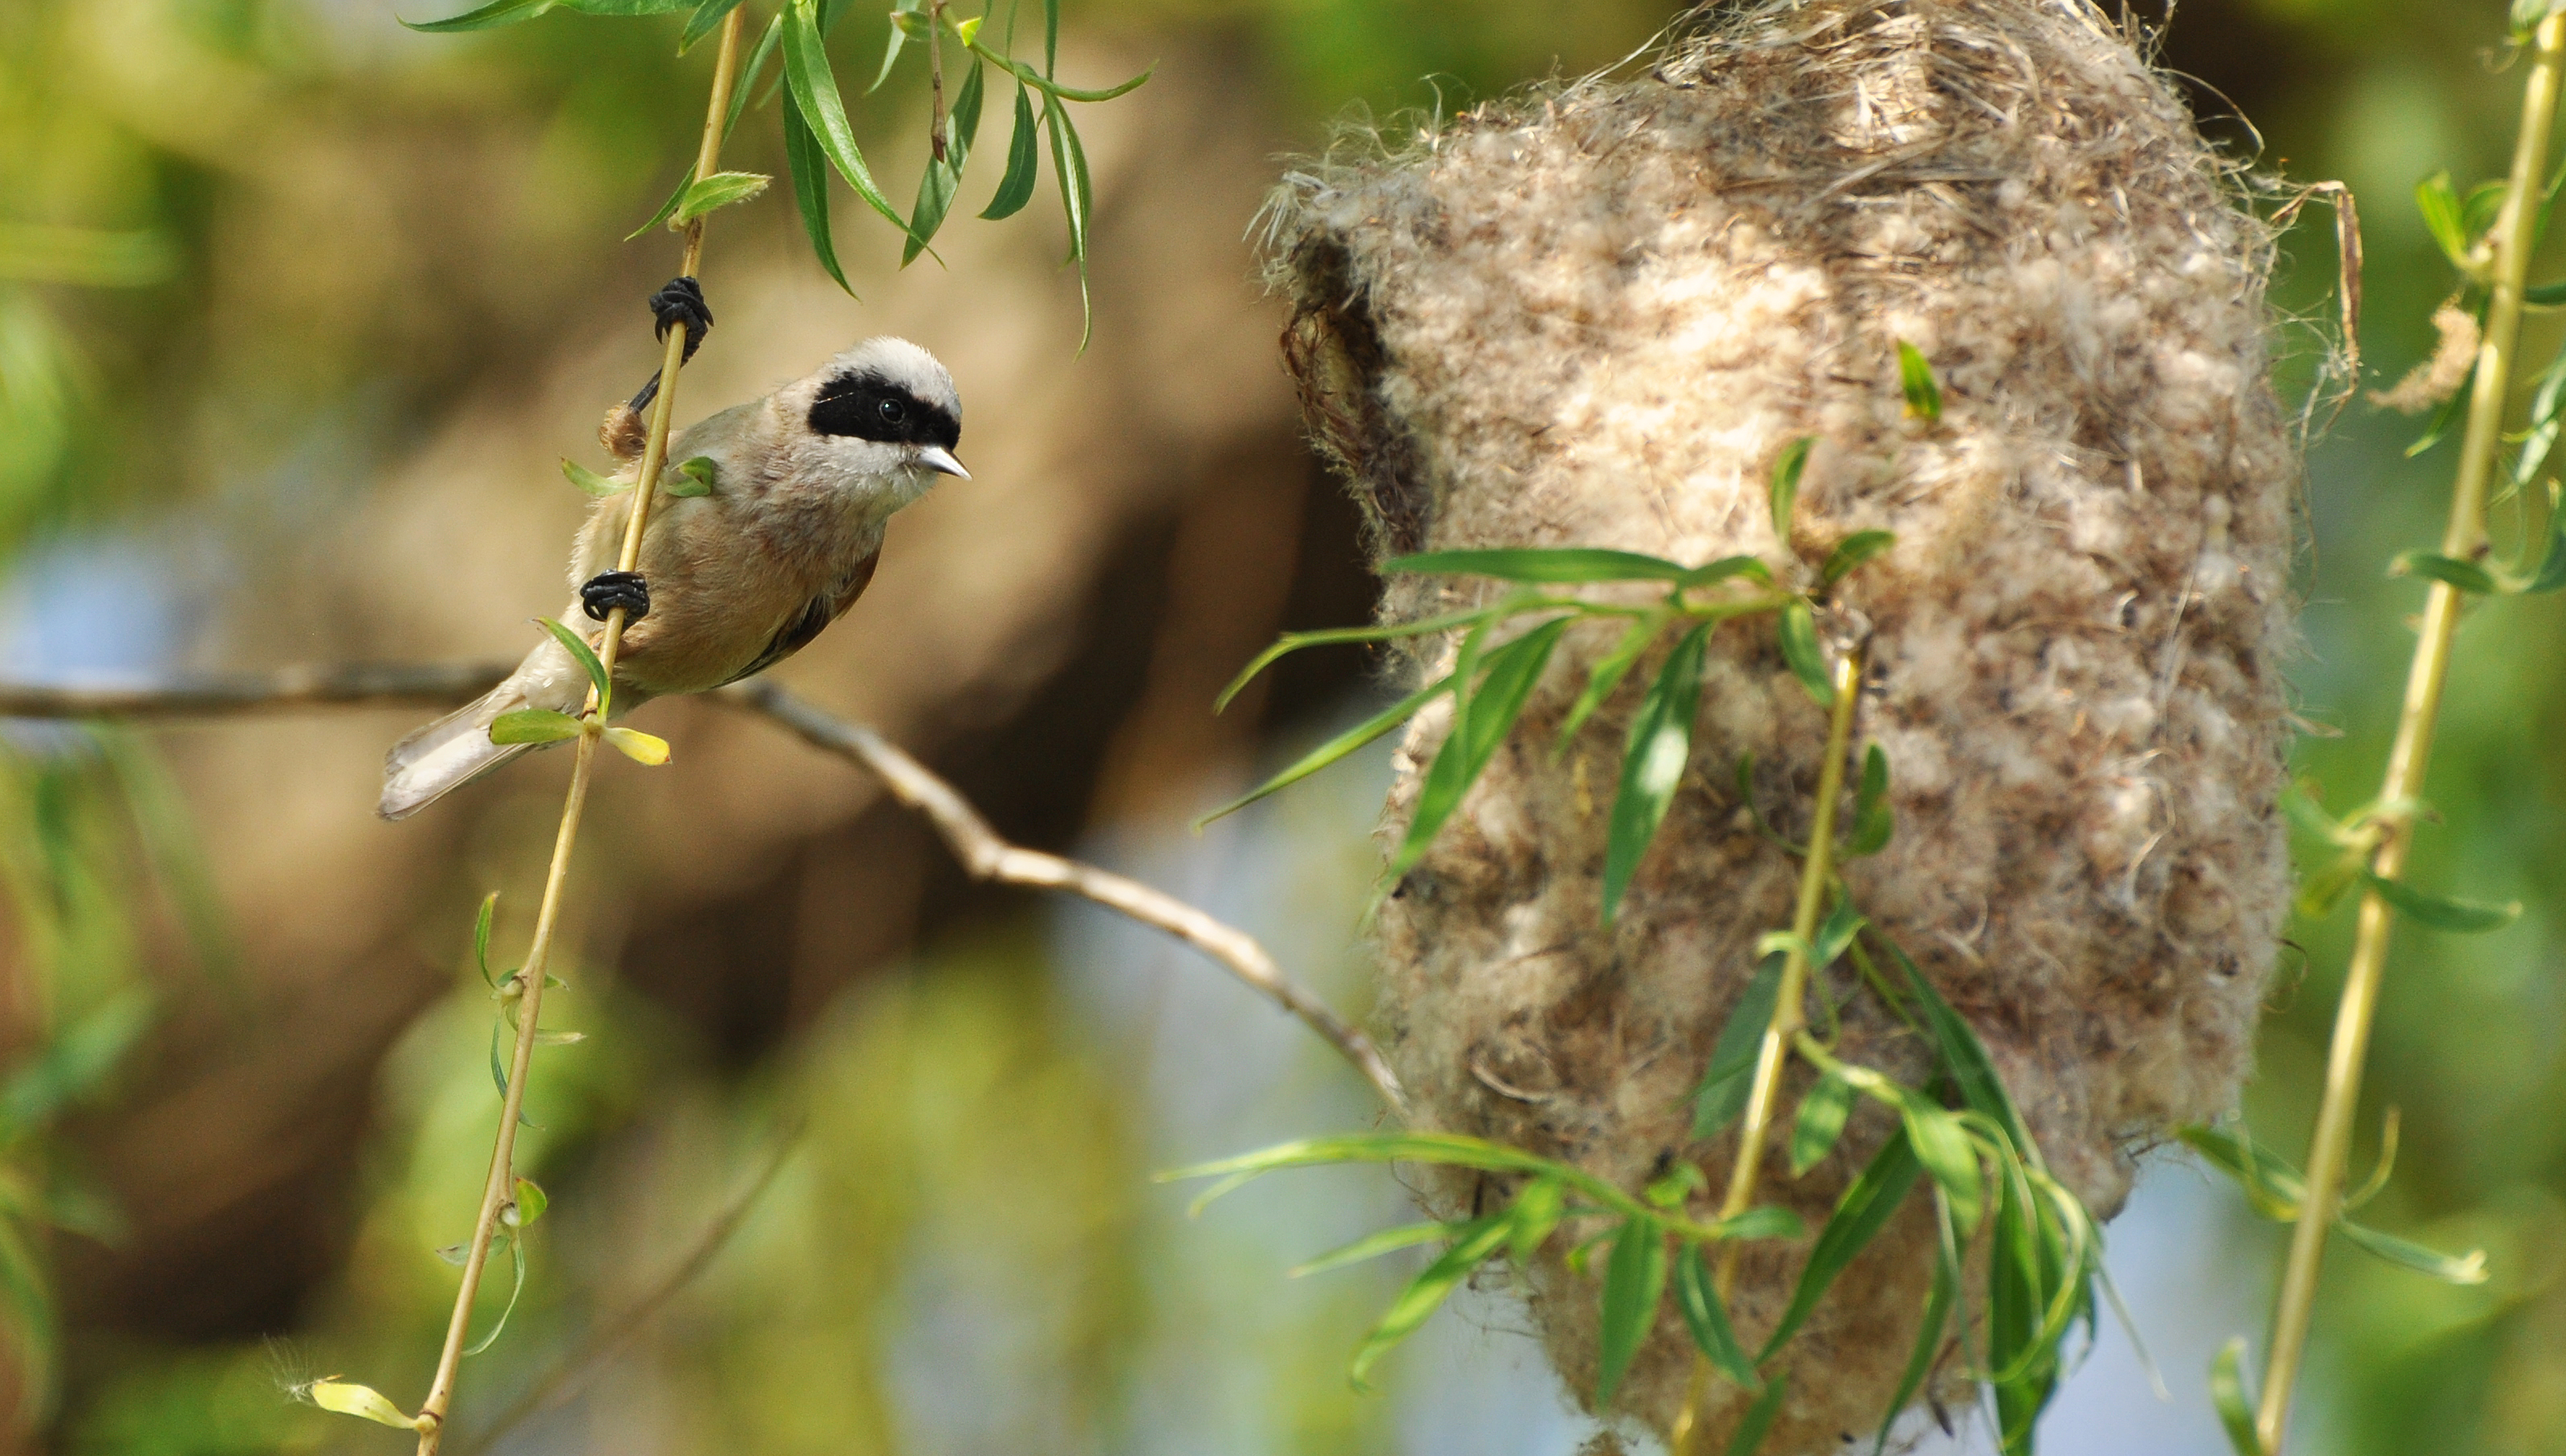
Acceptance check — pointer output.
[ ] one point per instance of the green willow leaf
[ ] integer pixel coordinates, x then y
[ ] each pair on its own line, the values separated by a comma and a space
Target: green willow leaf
1372, 1246
2467, 575
1291, 642
1016, 187
2439, 203
1446, 1148
1479, 728
496, 13
1050, 87
1799, 632
719, 190
693, 480
1836, 933
1077, 202
2444, 417
533, 725
1711, 572
481, 938
1426, 1292
808, 166
1872, 822
815, 91
586, 656
1916, 378
1635, 1280
708, 15
1821, 1120
2547, 406
1759, 1420
2551, 572
589, 482
2227, 1397
1853, 551
2442, 912
1859, 1217
1943, 1146
1939, 1301
1335, 748
891, 48
2459, 1269
517, 1253
627, 7
1787, 469
1766, 1222
765, 52
1697, 1300
1965, 1058
1652, 764
941, 179
1607, 674
1731, 1078
1537, 1212
1548, 565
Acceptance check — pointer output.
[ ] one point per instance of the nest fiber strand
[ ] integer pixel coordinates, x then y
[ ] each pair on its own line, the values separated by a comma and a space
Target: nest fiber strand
1595, 317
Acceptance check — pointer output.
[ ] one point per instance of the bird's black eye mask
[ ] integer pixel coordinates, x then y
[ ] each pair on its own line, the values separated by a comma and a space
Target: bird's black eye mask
870, 407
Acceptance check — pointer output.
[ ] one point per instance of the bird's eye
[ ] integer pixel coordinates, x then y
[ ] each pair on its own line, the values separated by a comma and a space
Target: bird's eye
893, 411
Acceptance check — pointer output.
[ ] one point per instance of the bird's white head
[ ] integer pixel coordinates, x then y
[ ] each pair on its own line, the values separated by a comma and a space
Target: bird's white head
885, 410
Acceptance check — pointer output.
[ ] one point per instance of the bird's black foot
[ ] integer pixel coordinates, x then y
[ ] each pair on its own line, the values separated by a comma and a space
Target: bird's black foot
681, 305
608, 590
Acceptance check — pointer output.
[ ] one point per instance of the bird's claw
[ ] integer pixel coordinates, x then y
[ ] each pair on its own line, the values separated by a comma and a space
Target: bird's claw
608, 590
681, 303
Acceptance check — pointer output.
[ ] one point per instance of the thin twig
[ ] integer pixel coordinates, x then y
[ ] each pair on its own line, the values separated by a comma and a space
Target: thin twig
2464, 539
1789, 1016
286, 690
499, 1191
987, 857
611, 1337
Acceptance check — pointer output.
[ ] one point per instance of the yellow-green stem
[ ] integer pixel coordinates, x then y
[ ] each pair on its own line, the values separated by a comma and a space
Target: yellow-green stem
1789, 1018
498, 1193
2464, 539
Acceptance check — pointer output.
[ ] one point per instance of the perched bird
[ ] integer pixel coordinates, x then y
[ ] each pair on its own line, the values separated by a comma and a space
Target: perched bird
733, 580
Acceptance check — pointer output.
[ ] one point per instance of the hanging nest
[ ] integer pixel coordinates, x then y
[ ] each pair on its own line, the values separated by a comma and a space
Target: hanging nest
1596, 316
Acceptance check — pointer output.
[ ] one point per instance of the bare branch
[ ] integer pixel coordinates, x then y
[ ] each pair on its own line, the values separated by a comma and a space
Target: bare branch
987, 857
985, 854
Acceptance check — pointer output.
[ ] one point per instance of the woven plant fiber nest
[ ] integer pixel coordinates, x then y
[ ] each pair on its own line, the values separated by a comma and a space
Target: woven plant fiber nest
1596, 316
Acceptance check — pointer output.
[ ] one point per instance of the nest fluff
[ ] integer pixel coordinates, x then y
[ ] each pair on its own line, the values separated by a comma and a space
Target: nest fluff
1596, 316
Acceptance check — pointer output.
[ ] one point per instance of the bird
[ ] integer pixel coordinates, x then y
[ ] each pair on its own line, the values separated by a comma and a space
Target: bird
733, 580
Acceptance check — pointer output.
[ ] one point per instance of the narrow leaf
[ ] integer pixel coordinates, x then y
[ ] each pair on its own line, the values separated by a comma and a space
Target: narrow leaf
1766, 1222
1787, 468
579, 649
1448, 1148
1858, 1218
1051, 87
1372, 1246
2461, 1269
589, 482
1799, 632
1537, 1212
1077, 202
1727, 1085
815, 90
2551, 573
1652, 764
1698, 1298
1016, 187
700, 24
637, 745
1939, 1301
1853, 551
496, 13
2444, 912
935, 188
1607, 675
1635, 1280
362, 1402
1759, 1420
1711, 573
2439, 204
1916, 378
1872, 822
1291, 642
517, 1257
693, 479
891, 48
2467, 575
2227, 1397
1480, 727
1822, 1120
1965, 1058
1427, 1292
1335, 748
719, 190
481, 938
1943, 1146
533, 725
1549, 564
531, 1202
808, 166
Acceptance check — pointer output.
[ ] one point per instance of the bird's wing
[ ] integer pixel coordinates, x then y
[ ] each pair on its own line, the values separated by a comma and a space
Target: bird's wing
815, 616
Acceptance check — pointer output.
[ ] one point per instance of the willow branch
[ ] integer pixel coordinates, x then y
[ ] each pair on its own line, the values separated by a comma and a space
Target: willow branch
2465, 539
231, 694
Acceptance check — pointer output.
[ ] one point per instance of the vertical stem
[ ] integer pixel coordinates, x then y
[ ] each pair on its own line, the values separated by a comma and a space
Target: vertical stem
498, 1193
936, 78
2465, 539
1789, 1018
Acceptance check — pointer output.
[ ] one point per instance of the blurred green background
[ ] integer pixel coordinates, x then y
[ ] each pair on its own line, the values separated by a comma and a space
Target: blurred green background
283, 285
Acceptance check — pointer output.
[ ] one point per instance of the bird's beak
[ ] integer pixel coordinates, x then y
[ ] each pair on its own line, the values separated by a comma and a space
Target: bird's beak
941, 461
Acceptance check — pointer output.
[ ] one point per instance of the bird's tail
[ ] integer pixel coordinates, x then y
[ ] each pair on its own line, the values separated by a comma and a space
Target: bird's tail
448, 753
